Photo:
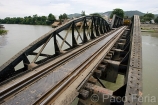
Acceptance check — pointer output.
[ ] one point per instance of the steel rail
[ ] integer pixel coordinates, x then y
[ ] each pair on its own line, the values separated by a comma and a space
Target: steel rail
21, 62
11, 87
86, 62
78, 72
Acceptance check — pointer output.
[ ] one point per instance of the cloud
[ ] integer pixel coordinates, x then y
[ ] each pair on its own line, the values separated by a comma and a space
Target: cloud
26, 8
21, 8
102, 5
1, 4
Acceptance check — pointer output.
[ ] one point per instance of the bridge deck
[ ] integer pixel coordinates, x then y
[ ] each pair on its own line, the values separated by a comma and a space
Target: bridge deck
40, 87
75, 73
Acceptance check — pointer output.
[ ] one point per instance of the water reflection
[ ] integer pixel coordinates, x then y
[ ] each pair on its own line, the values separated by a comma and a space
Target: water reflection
3, 40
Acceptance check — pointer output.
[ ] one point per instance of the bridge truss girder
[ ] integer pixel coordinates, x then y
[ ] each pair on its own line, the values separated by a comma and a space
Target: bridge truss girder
90, 27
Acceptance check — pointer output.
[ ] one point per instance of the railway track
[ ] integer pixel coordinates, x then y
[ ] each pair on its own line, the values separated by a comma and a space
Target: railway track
20, 83
77, 72
78, 77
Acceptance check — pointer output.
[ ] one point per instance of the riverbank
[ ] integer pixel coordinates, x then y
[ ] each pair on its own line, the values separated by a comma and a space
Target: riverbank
2, 31
149, 28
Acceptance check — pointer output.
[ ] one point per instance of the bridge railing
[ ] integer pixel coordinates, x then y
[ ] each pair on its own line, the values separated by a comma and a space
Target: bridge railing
77, 31
134, 76
116, 21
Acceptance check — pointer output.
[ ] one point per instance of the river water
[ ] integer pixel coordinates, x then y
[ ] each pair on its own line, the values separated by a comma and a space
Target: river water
150, 67
19, 36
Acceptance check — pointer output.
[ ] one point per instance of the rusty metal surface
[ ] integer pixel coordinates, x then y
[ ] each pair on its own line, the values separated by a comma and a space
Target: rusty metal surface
97, 93
37, 89
134, 87
95, 89
112, 71
136, 51
47, 67
116, 21
134, 80
15, 83
98, 26
82, 77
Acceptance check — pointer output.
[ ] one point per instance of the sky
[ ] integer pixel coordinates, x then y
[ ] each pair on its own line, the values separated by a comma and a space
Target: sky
21, 8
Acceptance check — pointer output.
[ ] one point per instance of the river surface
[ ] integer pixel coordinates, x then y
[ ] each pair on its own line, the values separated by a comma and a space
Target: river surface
19, 36
150, 67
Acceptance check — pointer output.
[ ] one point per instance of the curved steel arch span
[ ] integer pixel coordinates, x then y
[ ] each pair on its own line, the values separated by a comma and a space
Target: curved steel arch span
81, 30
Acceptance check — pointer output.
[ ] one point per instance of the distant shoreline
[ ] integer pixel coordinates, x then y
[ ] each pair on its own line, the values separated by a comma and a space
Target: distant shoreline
149, 28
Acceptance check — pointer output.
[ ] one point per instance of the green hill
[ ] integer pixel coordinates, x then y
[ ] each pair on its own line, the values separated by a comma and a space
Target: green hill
131, 13
127, 13
74, 15
108, 13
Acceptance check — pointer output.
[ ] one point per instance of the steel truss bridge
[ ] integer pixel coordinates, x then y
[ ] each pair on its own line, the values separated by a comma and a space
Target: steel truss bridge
77, 65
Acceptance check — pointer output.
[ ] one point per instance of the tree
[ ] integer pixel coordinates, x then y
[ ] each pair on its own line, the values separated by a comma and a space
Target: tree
60, 16
118, 12
51, 19
83, 13
17, 20
33, 20
156, 19
43, 19
95, 14
142, 19
64, 16
148, 16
